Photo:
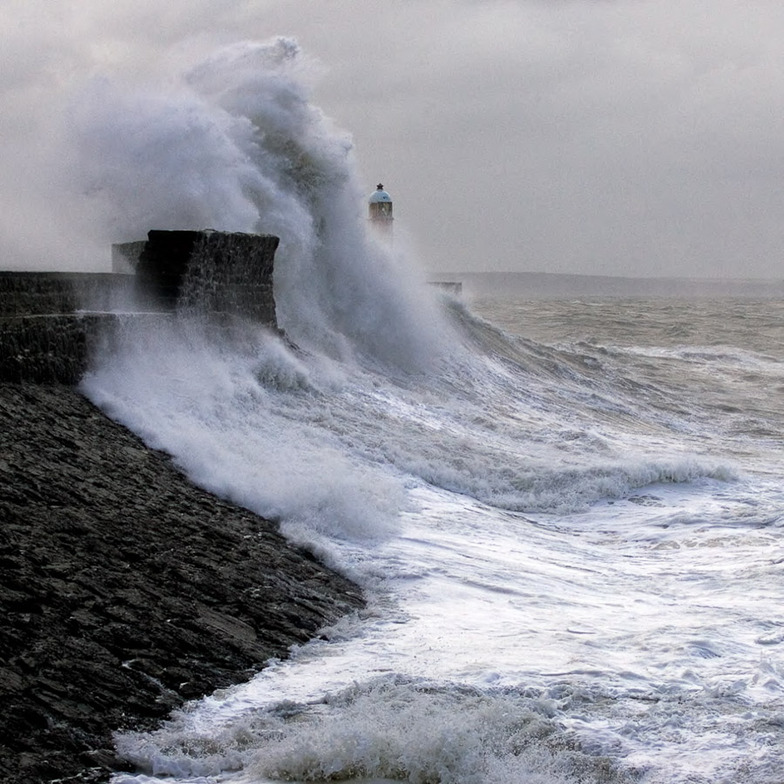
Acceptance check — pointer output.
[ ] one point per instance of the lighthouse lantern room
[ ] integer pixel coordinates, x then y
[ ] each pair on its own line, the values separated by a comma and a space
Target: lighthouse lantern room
380, 210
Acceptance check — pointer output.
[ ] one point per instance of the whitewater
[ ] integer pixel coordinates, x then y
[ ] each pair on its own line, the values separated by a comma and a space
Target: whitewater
566, 515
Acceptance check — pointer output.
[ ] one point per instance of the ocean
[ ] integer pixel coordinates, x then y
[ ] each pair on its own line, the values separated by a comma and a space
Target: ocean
569, 530
565, 512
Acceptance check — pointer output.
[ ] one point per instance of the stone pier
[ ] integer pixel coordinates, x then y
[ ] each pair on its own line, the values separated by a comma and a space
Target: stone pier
50, 322
124, 589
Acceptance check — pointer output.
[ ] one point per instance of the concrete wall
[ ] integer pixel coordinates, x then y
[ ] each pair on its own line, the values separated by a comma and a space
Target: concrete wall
51, 322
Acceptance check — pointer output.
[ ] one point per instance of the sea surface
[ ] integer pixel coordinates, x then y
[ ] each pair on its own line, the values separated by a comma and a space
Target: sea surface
569, 529
566, 512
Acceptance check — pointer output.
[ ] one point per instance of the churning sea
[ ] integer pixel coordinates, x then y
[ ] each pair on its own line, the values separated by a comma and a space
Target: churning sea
569, 527
566, 512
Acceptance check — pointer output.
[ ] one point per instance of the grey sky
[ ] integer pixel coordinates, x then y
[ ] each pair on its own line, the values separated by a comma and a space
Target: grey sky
585, 136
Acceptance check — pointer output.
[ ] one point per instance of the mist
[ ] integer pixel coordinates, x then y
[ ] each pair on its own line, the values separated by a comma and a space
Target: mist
621, 138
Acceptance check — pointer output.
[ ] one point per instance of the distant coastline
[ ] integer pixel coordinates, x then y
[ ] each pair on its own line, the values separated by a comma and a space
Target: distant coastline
551, 285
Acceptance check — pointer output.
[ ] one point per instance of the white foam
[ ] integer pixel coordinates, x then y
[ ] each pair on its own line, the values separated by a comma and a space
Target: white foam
228, 413
387, 730
614, 626
234, 144
642, 579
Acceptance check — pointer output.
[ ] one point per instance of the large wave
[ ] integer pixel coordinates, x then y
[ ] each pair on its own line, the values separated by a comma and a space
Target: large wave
386, 421
234, 143
381, 392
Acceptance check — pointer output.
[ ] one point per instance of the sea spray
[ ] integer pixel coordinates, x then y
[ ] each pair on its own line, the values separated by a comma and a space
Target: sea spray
234, 143
227, 408
390, 729
634, 618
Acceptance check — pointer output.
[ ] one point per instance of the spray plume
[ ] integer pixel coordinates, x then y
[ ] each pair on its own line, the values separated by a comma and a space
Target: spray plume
234, 144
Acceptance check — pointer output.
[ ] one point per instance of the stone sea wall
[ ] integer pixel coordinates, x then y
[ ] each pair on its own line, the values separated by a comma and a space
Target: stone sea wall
46, 333
215, 271
124, 589
51, 322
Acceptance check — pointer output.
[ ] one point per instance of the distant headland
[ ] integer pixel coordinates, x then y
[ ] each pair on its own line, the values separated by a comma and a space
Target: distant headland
550, 285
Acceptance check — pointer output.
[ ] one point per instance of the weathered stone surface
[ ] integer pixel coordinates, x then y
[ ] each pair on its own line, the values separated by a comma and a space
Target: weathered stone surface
50, 322
47, 349
124, 589
48, 293
212, 270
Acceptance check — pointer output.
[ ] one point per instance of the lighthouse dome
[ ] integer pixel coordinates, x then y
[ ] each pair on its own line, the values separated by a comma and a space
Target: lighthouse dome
379, 195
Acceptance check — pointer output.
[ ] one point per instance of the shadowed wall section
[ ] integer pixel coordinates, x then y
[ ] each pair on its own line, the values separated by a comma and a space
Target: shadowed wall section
214, 271
50, 322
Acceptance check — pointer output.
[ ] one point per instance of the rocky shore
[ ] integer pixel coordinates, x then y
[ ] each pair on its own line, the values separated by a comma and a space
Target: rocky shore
124, 589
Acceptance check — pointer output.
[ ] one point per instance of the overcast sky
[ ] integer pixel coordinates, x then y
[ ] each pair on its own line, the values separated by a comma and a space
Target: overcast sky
583, 136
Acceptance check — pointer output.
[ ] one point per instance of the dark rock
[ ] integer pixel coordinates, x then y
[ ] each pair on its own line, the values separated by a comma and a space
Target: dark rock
124, 589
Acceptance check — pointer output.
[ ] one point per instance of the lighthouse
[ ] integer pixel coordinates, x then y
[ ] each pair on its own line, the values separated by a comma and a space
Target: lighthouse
380, 212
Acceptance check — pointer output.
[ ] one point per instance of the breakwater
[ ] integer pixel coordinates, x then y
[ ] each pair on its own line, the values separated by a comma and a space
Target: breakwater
51, 323
124, 589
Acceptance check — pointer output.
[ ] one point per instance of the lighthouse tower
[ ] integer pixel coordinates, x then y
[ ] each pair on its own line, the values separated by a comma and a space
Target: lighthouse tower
380, 212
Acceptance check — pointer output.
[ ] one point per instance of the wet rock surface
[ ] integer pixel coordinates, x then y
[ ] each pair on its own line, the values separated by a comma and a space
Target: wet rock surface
124, 589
